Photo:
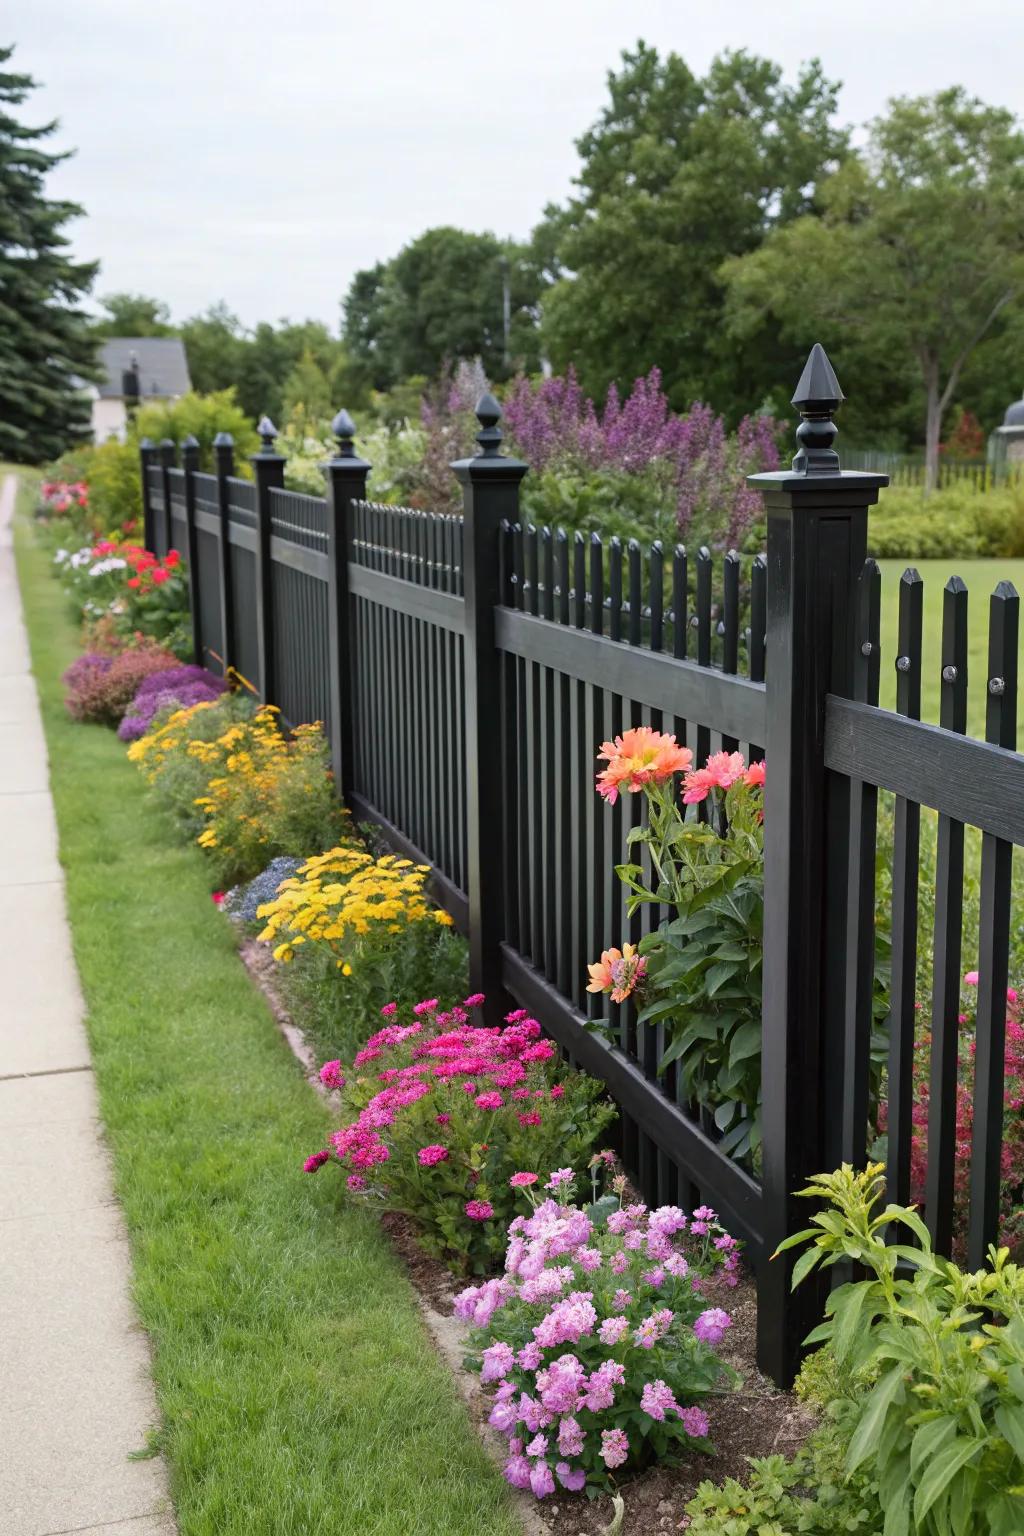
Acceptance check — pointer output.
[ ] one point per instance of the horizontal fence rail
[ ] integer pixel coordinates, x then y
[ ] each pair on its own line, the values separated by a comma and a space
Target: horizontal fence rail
467, 669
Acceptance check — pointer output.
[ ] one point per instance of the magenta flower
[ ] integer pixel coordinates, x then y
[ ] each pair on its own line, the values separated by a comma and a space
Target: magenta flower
331, 1075
479, 1210
429, 1156
522, 1180
530, 1118
356, 1181
711, 1325
559, 1177
488, 1101
695, 1422
573, 1478
316, 1161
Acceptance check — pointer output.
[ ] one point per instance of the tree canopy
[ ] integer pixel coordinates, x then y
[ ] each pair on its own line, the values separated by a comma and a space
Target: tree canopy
443, 297
133, 314
678, 173
47, 348
918, 254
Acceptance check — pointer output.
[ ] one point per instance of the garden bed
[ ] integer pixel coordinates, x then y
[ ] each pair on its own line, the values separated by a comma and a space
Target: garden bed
754, 1420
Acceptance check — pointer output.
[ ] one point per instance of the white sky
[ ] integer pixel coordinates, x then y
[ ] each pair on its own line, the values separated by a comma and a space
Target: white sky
261, 152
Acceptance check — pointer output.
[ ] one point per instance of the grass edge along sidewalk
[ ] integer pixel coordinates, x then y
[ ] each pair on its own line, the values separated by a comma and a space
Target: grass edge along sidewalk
298, 1390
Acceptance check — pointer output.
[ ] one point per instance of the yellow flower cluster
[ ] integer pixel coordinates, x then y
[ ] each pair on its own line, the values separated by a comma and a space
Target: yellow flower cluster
344, 895
250, 791
151, 751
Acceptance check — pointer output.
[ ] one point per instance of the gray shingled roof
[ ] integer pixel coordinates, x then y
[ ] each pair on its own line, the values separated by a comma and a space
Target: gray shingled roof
163, 366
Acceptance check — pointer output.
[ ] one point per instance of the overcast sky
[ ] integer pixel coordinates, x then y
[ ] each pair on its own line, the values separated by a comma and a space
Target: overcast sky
261, 153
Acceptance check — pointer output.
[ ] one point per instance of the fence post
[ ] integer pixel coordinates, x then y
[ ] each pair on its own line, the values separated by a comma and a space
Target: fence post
224, 462
346, 482
168, 460
817, 544
148, 455
490, 493
190, 464
268, 468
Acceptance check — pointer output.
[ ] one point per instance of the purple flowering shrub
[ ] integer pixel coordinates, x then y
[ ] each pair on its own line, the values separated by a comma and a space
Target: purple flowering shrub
445, 1119
637, 462
177, 687
597, 1340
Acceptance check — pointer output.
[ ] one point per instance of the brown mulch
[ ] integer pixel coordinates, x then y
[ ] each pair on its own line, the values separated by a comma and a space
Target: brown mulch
755, 1419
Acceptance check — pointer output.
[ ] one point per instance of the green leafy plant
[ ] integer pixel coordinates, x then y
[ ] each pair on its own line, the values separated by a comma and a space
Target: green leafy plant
936, 1358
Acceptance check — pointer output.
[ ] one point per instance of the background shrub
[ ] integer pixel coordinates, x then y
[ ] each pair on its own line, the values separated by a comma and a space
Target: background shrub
957, 521
101, 688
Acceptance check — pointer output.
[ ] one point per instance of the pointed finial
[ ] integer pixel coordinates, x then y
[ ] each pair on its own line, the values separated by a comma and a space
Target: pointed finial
191, 441
488, 414
817, 397
344, 429
223, 440
268, 434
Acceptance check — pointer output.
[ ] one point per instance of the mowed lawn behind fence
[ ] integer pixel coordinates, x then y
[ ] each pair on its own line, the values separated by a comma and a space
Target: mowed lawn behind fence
298, 1390
981, 577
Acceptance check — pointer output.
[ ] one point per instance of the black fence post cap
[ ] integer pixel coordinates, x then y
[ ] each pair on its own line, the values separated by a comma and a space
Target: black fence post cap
818, 389
190, 442
146, 442
223, 440
167, 442
344, 429
488, 414
268, 434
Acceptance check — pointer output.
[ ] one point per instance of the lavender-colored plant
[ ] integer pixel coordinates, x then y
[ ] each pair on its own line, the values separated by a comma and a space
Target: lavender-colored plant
172, 688
691, 458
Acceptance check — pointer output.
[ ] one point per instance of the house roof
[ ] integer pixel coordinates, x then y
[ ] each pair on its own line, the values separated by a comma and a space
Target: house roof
163, 366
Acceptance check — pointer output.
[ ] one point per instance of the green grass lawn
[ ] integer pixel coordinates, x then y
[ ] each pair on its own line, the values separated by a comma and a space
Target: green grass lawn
980, 577
299, 1393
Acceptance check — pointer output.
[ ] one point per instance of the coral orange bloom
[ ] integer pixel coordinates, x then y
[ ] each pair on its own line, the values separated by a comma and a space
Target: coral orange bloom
754, 775
721, 771
619, 971
638, 757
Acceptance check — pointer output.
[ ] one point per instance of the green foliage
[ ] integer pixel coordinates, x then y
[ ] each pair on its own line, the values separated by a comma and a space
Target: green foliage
46, 346
112, 471
783, 1498
258, 364
956, 521
919, 252
678, 173
202, 416
441, 299
133, 314
424, 960
936, 1356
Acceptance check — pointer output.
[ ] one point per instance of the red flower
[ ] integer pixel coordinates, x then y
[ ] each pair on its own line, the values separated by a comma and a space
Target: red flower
160, 576
134, 581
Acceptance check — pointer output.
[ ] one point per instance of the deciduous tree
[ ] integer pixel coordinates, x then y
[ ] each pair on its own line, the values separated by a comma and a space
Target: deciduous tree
920, 248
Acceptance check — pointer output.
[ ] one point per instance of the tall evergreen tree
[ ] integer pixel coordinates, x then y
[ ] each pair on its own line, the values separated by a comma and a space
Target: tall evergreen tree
46, 347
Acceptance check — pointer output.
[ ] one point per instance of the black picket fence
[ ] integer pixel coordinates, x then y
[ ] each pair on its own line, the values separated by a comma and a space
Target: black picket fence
466, 669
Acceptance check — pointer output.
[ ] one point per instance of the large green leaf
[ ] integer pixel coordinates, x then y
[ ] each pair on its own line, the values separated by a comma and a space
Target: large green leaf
869, 1427
940, 1472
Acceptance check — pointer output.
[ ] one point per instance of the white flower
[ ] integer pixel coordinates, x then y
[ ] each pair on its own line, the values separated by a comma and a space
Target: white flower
60, 557
104, 567
80, 558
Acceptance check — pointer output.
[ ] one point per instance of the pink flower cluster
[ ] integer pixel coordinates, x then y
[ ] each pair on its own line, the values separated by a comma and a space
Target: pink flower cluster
721, 771
449, 1051
595, 1346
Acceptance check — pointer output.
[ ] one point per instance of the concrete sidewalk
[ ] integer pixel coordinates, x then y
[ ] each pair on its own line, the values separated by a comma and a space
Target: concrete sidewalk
75, 1391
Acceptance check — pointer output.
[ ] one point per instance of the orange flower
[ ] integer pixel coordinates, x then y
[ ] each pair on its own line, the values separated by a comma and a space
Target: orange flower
754, 775
638, 757
619, 972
